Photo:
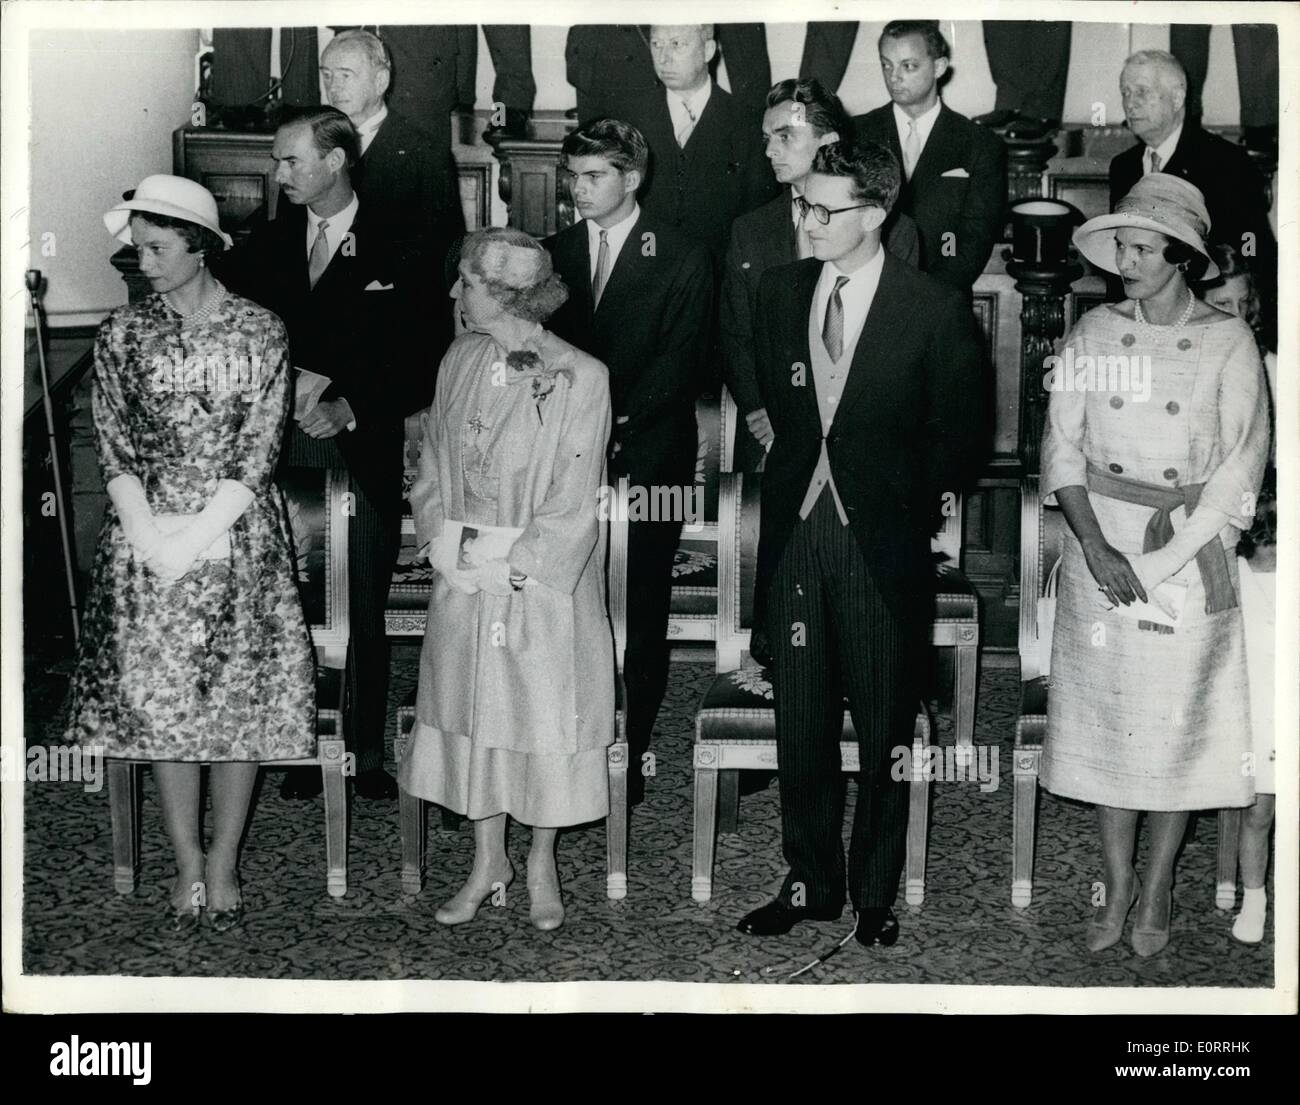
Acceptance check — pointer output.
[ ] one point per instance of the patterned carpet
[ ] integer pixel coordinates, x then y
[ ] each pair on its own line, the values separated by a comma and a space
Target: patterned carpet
967, 931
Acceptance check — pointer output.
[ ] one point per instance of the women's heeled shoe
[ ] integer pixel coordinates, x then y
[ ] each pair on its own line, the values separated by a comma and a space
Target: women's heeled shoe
223, 920
1150, 941
1106, 934
545, 906
452, 913
181, 919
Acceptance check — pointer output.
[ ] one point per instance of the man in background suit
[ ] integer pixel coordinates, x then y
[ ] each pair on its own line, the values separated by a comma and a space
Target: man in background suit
640, 297
873, 375
955, 172
801, 117
339, 284
1154, 90
706, 158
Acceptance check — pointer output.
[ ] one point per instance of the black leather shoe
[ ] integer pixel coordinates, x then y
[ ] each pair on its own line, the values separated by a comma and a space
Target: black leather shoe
877, 926
376, 785
301, 783
776, 918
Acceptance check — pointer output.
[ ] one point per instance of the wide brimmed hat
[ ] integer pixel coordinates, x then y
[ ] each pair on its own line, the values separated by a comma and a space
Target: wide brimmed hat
1161, 202
174, 196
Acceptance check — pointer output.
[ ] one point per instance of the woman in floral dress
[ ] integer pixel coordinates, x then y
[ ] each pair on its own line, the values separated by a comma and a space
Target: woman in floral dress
516, 698
194, 647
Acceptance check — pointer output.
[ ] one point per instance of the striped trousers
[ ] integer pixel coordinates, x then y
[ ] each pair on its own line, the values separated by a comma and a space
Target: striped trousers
832, 636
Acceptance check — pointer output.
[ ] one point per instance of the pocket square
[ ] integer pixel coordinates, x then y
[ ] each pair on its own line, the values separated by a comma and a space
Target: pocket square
960, 174
376, 286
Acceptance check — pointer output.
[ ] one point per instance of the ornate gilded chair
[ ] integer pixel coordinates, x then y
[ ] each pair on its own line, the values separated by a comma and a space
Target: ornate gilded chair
319, 520
735, 725
412, 809
693, 610
1042, 530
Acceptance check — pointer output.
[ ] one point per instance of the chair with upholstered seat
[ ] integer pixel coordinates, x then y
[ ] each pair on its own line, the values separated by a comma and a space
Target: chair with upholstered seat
319, 520
1042, 531
412, 810
693, 607
735, 725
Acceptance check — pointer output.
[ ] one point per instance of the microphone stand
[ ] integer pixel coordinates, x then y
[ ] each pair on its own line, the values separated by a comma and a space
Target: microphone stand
35, 288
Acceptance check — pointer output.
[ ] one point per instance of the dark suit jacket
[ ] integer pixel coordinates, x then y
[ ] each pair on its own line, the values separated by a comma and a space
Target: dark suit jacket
1236, 196
407, 182
721, 174
971, 208
345, 332
908, 426
762, 240
650, 331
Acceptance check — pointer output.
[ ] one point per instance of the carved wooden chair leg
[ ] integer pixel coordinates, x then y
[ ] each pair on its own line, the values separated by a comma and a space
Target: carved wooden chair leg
124, 804
332, 758
918, 824
1225, 889
1025, 806
706, 826
616, 824
965, 680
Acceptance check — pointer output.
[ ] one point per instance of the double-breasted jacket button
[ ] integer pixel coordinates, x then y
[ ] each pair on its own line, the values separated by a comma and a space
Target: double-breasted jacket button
1172, 407
1171, 473
1116, 402
1116, 468
1127, 339
1185, 344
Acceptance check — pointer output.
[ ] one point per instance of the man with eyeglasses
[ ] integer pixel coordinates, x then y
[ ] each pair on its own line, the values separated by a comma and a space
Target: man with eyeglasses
873, 376
954, 171
801, 117
640, 297
706, 164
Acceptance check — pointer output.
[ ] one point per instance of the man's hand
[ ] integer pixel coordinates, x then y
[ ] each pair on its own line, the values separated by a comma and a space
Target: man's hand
760, 426
328, 419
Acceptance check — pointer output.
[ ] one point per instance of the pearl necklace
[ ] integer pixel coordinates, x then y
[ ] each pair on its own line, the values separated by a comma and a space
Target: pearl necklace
199, 313
1140, 318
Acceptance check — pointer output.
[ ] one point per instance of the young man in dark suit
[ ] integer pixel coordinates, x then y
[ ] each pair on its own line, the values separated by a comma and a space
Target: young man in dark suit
873, 376
954, 172
341, 287
801, 117
640, 297
1153, 87
706, 157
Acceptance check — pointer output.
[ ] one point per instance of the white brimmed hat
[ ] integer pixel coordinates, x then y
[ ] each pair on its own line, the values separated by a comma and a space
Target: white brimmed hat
1161, 202
174, 196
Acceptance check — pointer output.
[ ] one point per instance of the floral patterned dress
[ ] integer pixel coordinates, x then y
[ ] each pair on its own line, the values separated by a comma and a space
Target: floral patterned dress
217, 666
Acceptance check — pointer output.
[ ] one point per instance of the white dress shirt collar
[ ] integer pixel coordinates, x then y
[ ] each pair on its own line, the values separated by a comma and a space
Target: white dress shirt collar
1164, 151
696, 101
339, 225
856, 295
370, 127
615, 235
924, 123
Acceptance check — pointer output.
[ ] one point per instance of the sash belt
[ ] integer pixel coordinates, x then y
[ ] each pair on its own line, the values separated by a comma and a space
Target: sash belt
1211, 558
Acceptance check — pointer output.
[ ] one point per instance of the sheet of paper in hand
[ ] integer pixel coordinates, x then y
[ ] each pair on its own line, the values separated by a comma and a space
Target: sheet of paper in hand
476, 544
307, 389
170, 523
1164, 608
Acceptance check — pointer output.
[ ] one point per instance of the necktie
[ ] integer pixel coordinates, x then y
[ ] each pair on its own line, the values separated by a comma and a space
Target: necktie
602, 268
911, 149
833, 328
319, 257
1155, 160
802, 243
684, 135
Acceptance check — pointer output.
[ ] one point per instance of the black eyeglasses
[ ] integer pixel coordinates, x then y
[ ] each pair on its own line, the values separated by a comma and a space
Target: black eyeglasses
822, 214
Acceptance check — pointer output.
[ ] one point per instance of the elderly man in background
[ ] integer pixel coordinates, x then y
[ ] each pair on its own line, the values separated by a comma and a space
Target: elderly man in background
1154, 90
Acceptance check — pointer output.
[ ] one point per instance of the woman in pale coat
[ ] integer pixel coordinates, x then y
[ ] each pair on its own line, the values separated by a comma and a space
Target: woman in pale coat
516, 699
1156, 439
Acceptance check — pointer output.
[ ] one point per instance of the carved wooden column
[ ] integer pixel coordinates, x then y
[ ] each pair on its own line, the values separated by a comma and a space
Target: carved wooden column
1026, 164
530, 182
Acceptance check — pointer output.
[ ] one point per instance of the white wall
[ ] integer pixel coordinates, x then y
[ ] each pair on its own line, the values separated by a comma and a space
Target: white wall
104, 105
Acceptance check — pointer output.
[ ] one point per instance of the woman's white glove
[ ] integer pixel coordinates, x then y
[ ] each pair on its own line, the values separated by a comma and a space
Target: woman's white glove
1155, 567
442, 557
493, 576
132, 505
176, 554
